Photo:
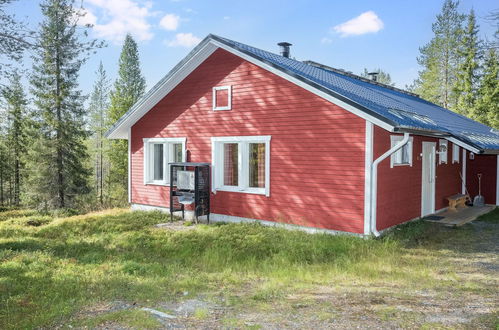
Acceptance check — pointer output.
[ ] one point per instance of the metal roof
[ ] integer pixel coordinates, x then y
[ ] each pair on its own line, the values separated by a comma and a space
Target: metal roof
408, 112
401, 110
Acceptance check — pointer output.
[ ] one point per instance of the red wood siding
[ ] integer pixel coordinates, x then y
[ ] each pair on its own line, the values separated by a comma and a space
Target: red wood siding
316, 151
399, 188
487, 165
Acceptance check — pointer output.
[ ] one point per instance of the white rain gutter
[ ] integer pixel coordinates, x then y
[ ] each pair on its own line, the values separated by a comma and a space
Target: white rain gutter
374, 181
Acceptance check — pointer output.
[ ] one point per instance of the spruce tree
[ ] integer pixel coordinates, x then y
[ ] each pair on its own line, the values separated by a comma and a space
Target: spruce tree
439, 58
14, 39
99, 104
487, 107
467, 75
128, 88
17, 121
57, 171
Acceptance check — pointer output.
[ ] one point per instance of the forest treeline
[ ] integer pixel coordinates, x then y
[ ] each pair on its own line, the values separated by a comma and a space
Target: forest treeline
53, 149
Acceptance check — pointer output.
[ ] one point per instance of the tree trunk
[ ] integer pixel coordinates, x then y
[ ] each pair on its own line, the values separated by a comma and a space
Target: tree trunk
59, 135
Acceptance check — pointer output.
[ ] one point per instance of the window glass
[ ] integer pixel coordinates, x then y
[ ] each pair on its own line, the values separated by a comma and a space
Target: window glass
177, 153
231, 160
158, 162
257, 165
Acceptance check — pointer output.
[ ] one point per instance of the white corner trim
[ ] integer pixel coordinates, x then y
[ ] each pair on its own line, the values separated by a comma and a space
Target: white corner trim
368, 143
229, 96
130, 164
463, 173
497, 181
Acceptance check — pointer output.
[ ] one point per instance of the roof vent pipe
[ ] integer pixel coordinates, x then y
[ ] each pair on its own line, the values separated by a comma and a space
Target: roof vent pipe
373, 76
284, 48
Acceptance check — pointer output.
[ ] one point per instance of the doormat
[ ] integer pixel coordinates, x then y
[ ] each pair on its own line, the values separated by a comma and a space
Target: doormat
434, 218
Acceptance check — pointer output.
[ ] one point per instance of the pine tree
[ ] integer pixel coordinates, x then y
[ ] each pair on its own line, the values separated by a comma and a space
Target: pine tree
487, 107
14, 39
467, 75
128, 88
57, 172
99, 104
382, 76
16, 104
439, 58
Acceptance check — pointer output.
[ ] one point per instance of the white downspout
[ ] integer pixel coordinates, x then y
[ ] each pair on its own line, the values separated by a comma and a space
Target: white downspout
374, 181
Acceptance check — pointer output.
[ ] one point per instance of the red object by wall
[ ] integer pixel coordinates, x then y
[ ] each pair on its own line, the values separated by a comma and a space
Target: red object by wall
316, 152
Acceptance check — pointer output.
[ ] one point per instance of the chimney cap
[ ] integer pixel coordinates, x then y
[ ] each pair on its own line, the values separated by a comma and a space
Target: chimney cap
284, 44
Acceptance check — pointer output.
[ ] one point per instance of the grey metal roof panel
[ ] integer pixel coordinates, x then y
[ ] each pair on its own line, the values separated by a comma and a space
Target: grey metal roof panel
407, 111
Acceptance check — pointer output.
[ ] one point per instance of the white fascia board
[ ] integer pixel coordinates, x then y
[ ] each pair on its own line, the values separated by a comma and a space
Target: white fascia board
463, 145
120, 132
306, 86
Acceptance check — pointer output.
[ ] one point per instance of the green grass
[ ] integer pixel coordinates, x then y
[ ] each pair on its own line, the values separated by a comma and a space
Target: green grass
52, 268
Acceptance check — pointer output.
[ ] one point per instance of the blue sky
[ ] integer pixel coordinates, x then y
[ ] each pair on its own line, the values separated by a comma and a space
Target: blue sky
343, 34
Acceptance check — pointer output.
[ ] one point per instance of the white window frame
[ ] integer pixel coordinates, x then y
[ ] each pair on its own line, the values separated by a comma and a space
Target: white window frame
229, 96
243, 142
443, 157
456, 150
394, 139
167, 155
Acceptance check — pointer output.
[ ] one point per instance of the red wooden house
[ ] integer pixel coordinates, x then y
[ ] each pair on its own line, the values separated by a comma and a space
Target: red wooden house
303, 144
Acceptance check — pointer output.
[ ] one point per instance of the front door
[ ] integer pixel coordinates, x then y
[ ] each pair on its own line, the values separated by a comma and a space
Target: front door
428, 179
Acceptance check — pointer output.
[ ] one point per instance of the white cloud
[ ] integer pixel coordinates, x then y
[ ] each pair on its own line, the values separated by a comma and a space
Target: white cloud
86, 17
121, 17
226, 17
184, 40
326, 41
170, 22
367, 22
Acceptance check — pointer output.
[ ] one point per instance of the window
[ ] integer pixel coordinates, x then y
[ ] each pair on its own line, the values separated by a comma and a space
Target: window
241, 164
455, 153
222, 98
403, 156
158, 152
442, 151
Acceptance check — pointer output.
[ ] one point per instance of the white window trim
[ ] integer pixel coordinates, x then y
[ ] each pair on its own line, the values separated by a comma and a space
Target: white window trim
229, 96
441, 158
166, 156
393, 140
456, 150
217, 163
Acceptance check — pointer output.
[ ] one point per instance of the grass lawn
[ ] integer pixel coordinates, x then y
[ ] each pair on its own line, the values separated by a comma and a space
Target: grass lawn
100, 269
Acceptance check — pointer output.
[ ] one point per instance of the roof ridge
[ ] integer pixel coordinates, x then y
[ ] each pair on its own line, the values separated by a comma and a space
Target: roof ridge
356, 76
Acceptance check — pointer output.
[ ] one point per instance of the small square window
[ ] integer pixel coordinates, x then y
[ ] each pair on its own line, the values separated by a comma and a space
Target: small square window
222, 98
403, 156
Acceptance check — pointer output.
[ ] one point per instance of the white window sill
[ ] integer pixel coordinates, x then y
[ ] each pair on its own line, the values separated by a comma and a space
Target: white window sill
402, 164
153, 183
255, 191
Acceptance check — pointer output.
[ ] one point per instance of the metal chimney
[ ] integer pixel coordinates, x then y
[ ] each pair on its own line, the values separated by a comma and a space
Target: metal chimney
373, 75
284, 48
